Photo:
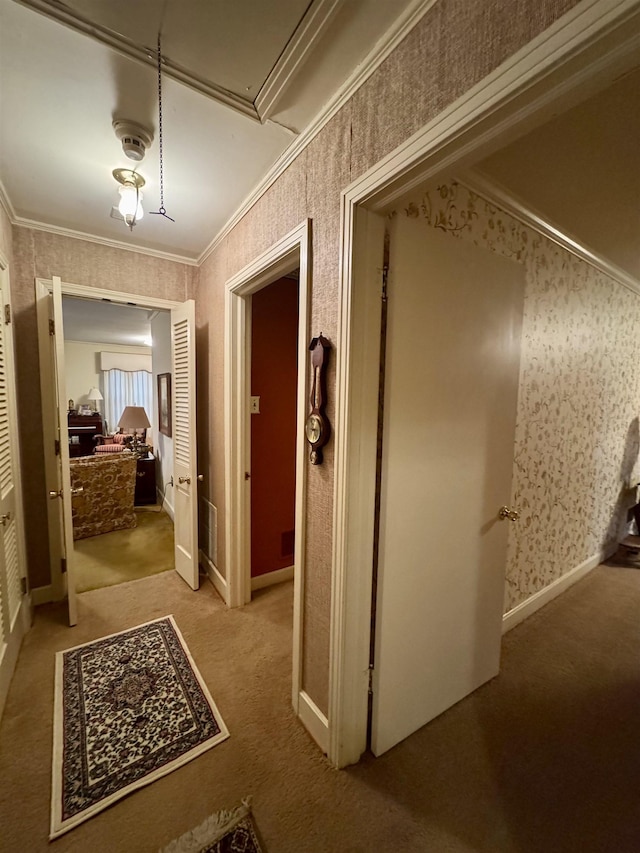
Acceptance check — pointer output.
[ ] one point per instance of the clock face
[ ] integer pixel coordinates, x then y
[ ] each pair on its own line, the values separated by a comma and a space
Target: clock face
313, 429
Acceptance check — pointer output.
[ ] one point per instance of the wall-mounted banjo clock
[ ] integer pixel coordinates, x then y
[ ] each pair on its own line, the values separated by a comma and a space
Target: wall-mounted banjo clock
317, 428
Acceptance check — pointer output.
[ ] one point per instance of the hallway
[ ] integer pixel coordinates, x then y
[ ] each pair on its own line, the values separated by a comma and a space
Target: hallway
544, 758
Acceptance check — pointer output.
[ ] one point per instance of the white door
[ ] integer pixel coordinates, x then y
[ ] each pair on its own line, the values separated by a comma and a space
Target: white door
183, 418
14, 608
451, 383
65, 494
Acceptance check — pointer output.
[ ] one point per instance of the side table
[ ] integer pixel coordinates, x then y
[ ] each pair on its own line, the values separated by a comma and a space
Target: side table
145, 480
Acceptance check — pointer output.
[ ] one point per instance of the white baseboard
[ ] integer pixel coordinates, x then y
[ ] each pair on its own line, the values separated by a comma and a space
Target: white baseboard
166, 505
42, 595
314, 721
526, 608
214, 576
271, 578
9, 655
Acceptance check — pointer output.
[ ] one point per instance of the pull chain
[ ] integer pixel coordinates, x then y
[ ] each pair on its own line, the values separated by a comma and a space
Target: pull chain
161, 210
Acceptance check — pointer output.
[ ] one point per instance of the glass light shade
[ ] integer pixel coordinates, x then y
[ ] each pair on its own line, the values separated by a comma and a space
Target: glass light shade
130, 205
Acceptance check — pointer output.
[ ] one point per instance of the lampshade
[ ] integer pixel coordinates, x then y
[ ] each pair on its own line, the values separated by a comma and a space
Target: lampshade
134, 417
94, 394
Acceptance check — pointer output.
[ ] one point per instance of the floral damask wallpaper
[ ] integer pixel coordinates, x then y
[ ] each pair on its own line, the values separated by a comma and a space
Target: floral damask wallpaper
577, 436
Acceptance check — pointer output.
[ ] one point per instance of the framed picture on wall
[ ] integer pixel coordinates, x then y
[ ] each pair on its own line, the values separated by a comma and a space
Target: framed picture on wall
164, 403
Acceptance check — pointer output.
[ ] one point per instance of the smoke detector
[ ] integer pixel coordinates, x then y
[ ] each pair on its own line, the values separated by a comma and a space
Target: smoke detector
135, 138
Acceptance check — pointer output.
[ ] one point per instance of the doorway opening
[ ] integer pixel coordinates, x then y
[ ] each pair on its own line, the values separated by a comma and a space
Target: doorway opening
519, 97
118, 472
287, 262
117, 352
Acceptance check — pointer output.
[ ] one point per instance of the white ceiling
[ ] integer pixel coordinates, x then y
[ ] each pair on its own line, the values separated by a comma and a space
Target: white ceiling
60, 90
102, 322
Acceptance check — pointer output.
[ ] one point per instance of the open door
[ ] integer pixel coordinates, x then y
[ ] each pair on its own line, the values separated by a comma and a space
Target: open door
451, 386
63, 494
14, 602
183, 418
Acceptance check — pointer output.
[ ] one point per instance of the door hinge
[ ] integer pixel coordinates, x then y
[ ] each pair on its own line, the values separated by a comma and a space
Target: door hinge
63, 565
7, 314
23, 585
52, 327
385, 278
56, 446
370, 679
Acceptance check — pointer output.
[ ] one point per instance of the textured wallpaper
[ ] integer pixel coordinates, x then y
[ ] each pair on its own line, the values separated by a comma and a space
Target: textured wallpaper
453, 47
577, 437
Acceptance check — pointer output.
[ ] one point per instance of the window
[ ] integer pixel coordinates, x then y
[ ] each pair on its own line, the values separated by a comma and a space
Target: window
126, 388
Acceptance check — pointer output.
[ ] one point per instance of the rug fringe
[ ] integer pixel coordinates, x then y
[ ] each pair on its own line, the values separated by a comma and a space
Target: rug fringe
210, 830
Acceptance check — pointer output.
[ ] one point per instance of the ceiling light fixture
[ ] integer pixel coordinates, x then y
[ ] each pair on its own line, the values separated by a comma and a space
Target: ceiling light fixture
130, 205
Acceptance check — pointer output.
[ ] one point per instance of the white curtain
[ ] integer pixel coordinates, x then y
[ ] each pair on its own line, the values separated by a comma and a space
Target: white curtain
126, 388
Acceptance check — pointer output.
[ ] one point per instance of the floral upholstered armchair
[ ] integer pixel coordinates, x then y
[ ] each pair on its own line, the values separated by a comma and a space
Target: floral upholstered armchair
108, 486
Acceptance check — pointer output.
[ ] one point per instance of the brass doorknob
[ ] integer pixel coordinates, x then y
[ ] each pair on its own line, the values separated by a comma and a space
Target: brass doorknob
4, 518
200, 477
510, 514
77, 491
184, 479
55, 494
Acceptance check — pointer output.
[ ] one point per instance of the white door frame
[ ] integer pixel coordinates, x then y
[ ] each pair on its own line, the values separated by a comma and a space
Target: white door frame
291, 252
58, 588
592, 40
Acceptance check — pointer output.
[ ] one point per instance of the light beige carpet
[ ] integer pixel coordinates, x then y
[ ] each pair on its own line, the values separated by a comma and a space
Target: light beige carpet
125, 555
544, 759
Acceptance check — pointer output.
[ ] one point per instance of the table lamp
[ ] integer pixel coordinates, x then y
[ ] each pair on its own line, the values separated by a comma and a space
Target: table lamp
95, 396
135, 418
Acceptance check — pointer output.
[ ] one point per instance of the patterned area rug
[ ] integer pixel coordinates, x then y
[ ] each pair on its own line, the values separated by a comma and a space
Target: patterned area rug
129, 708
225, 832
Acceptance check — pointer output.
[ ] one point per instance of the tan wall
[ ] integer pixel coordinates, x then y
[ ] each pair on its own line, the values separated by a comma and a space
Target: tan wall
454, 46
37, 254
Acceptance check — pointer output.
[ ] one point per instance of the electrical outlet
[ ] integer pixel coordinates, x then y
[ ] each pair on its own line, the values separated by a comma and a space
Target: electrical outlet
255, 406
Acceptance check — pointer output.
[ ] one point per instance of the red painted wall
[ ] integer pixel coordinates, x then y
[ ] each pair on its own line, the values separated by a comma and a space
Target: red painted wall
274, 340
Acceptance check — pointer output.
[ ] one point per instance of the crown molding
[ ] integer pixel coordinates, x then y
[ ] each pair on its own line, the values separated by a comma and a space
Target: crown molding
5, 203
139, 53
496, 193
21, 222
401, 27
306, 36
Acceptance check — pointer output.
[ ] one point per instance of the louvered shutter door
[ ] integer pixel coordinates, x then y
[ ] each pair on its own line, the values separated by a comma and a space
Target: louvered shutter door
8, 531
5, 480
184, 442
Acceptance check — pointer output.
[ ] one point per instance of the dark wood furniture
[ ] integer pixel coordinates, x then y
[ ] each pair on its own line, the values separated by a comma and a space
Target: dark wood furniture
146, 480
82, 432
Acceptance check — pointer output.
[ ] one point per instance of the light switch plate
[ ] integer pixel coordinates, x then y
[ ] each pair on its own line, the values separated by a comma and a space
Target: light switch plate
255, 406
